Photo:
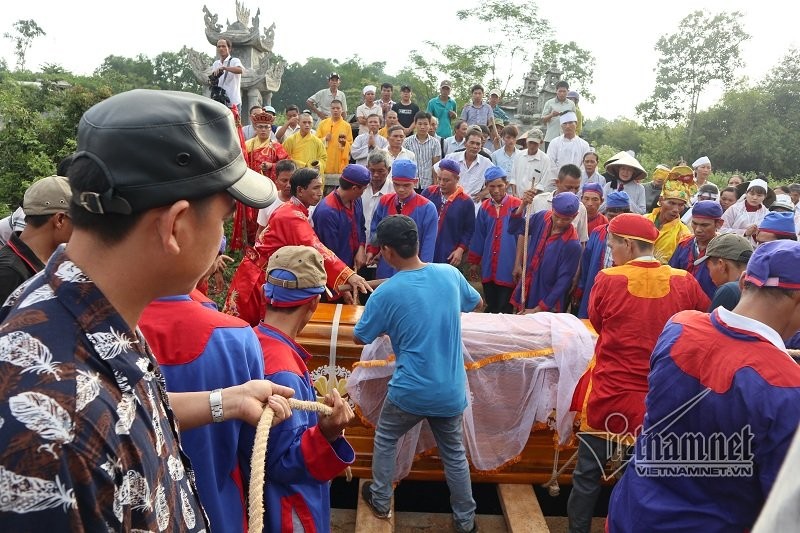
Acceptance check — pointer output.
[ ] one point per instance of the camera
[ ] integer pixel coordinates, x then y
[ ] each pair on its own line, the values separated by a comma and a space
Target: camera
218, 93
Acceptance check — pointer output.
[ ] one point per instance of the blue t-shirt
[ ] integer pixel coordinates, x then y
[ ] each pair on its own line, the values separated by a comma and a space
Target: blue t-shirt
421, 310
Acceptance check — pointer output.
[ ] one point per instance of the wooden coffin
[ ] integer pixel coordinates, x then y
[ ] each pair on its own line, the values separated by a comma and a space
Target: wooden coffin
535, 465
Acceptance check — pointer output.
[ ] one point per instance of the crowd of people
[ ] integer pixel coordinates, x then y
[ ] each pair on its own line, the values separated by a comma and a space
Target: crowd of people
128, 401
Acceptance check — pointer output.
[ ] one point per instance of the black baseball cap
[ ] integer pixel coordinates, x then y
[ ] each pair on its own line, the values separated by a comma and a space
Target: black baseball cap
396, 230
158, 147
333, 75
405, 88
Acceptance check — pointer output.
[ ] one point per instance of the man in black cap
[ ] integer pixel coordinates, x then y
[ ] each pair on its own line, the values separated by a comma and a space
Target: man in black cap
89, 440
406, 110
420, 309
320, 102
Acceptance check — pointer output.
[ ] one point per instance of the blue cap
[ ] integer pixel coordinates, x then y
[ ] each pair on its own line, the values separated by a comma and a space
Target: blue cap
356, 174
404, 169
774, 264
494, 173
707, 209
566, 204
779, 223
450, 165
593, 187
618, 200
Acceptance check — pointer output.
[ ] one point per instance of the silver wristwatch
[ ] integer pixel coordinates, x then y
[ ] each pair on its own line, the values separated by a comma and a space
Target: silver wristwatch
215, 401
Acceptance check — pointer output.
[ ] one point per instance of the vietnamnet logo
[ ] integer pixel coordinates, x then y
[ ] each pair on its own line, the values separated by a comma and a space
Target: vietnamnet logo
659, 452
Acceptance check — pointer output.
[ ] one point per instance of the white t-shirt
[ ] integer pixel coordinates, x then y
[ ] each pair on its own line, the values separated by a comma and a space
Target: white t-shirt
364, 111
528, 170
229, 81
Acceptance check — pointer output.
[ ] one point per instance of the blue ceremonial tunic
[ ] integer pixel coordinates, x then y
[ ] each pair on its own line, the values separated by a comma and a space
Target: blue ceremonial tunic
593, 261
492, 246
552, 262
684, 257
456, 222
422, 211
723, 397
342, 230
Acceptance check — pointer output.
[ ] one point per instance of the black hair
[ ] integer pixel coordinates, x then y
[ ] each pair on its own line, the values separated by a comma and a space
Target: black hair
284, 165
291, 108
772, 292
63, 165
37, 221
387, 85
569, 170
476, 87
405, 250
111, 228
337, 101
346, 185
562, 84
728, 189
422, 115
302, 177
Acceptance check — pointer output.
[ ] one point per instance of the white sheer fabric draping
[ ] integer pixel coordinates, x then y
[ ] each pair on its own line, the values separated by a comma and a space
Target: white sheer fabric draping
521, 371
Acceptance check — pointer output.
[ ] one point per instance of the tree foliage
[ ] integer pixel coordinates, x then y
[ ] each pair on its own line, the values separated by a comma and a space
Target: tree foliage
25, 32
706, 49
168, 71
300, 81
575, 63
514, 29
464, 67
512, 39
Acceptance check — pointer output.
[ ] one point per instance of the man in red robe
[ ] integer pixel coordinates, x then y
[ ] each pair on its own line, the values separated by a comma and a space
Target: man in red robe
288, 226
629, 305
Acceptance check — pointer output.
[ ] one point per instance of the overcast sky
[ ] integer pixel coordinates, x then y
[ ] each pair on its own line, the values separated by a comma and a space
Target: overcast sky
621, 34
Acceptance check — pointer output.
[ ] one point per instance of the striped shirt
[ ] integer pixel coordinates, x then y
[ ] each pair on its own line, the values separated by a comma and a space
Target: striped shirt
424, 151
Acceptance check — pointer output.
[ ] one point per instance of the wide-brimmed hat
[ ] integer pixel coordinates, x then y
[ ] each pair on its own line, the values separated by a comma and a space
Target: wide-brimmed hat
624, 158
744, 186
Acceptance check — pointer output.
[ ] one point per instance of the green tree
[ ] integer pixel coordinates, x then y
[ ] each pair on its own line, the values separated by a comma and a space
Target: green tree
23, 154
706, 49
172, 72
25, 32
514, 28
575, 63
623, 133
126, 73
464, 67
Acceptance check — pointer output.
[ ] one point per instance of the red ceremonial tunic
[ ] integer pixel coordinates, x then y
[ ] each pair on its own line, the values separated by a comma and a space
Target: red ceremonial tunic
288, 226
628, 307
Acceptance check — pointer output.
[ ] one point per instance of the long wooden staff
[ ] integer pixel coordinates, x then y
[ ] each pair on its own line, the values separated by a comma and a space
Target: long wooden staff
527, 218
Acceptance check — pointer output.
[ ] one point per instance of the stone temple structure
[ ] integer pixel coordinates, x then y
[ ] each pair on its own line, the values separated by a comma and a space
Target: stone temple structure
262, 73
528, 107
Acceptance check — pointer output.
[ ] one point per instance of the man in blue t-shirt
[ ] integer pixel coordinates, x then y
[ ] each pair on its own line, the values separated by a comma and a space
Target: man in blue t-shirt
420, 309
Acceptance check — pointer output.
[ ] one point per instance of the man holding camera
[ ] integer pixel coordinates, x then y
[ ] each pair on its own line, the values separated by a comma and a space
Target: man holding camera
227, 71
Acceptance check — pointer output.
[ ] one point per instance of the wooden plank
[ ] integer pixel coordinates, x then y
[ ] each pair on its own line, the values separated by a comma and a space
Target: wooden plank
366, 522
521, 509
